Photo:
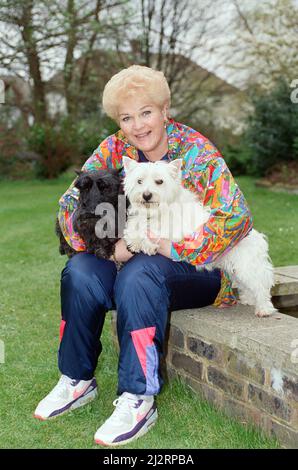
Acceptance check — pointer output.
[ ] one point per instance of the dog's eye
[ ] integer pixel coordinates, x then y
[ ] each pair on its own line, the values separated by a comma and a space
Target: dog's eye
158, 181
140, 181
101, 185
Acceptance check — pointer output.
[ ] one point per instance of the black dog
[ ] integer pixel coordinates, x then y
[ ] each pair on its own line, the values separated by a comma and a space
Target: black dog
96, 217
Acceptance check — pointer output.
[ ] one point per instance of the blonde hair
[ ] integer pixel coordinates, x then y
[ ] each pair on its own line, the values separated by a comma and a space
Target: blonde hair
134, 80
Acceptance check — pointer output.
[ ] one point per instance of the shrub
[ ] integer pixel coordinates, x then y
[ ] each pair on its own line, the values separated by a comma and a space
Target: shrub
238, 158
271, 136
67, 142
295, 145
56, 145
273, 129
12, 163
91, 132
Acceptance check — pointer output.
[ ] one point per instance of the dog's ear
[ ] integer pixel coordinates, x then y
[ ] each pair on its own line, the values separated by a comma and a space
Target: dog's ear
83, 182
129, 164
78, 172
175, 166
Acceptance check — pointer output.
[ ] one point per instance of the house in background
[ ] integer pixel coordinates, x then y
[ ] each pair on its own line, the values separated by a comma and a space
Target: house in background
199, 97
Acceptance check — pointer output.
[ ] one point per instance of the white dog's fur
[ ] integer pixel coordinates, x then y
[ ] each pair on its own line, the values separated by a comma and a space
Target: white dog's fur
161, 204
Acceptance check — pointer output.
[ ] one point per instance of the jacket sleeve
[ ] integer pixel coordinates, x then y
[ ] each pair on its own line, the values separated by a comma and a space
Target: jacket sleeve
69, 201
229, 221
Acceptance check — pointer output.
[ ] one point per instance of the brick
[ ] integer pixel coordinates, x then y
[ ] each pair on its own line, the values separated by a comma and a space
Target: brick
172, 372
224, 382
290, 387
284, 301
240, 365
244, 413
270, 403
202, 348
286, 435
207, 392
176, 337
294, 419
164, 369
182, 361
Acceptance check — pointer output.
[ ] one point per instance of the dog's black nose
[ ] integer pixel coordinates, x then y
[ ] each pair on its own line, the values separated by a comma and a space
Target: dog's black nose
147, 196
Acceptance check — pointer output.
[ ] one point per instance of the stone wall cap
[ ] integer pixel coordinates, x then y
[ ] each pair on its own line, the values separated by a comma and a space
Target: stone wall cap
286, 280
271, 339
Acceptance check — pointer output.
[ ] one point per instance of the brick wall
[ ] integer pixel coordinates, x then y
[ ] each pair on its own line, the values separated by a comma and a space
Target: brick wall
237, 384
244, 365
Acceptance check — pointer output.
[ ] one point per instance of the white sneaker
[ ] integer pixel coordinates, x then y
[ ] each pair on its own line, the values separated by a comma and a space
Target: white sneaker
67, 395
133, 417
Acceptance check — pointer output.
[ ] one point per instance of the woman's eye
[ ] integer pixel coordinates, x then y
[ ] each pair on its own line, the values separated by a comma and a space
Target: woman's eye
158, 181
140, 181
125, 119
146, 113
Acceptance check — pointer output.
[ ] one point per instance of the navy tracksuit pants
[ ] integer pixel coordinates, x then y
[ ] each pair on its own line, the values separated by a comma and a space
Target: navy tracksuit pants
143, 292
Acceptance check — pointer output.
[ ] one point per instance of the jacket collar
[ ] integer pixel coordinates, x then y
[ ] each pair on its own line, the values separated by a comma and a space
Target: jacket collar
174, 141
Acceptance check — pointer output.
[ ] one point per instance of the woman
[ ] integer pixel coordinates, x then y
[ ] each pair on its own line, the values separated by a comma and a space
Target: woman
147, 287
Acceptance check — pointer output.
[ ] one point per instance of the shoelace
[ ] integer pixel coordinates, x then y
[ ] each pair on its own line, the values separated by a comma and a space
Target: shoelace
60, 389
123, 405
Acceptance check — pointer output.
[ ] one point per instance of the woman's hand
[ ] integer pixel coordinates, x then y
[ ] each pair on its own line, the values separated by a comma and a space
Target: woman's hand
121, 252
164, 245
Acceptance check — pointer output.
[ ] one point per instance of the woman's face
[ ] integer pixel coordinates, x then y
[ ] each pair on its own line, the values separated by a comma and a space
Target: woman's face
143, 124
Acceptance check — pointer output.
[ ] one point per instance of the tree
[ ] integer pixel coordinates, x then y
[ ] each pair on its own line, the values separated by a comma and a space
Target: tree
21, 54
40, 36
64, 51
265, 44
172, 35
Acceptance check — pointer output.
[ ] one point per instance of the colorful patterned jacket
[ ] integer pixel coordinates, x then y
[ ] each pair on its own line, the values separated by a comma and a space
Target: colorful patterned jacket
205, 172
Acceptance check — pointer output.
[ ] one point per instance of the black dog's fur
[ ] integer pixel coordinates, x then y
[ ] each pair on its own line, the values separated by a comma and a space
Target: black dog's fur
96, 187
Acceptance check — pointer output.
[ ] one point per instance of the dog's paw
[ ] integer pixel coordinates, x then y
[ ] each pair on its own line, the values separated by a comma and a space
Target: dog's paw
149, 248
265, 310
245, 300
262, 314
133, 245
150, 251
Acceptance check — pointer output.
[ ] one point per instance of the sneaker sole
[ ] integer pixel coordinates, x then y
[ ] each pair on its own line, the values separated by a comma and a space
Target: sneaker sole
150, 423
77, 404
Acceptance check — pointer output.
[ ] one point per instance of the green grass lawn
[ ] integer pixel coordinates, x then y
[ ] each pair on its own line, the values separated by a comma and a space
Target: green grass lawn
30, 316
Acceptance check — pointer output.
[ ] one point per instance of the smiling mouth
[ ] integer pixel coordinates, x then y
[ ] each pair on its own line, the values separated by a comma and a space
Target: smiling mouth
142, 136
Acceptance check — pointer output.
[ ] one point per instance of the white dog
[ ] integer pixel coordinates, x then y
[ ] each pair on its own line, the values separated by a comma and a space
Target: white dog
161, 204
